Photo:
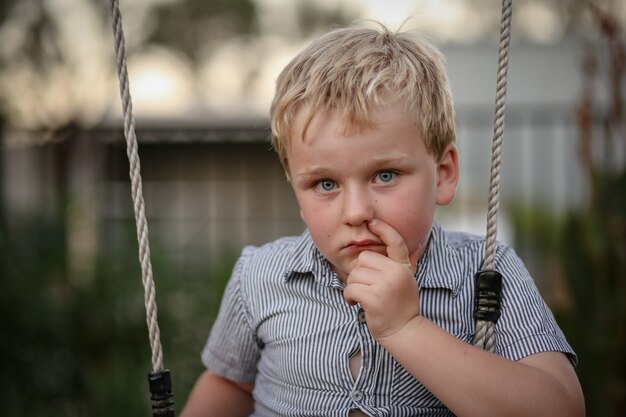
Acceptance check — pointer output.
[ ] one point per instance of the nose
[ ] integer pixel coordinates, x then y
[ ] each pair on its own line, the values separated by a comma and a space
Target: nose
358, 207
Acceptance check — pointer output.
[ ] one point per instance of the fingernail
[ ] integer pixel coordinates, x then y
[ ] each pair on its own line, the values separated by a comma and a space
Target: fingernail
373, 222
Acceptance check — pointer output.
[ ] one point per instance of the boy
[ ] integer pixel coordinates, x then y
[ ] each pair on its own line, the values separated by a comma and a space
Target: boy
369, 312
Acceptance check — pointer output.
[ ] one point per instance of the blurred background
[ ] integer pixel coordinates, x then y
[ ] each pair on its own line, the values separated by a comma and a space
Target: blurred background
73, 338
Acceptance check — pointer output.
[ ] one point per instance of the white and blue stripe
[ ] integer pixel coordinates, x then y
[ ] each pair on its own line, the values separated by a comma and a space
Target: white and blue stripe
284, 325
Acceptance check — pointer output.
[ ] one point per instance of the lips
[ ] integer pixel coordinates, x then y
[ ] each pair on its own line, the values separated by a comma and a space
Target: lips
367, 242
361, 245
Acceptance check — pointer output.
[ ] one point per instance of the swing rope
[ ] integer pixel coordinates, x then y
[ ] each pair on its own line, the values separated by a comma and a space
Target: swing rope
488, 289
159, 379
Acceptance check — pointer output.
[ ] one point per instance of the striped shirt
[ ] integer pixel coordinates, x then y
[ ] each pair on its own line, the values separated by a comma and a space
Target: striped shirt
284, 325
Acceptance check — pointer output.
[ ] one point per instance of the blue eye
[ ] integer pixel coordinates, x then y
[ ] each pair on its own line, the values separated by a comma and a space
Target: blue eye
385, 176
326, 185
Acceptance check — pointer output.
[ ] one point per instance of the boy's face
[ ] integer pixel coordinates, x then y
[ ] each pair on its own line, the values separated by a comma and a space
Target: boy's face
344, 179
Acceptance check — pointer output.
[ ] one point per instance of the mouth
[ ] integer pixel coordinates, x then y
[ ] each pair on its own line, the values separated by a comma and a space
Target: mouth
362, 245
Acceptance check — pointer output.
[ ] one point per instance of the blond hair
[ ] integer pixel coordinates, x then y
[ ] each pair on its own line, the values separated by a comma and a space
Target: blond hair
354, 70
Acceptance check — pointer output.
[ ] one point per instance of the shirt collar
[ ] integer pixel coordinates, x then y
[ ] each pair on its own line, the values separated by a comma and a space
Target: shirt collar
306, 259
439, 267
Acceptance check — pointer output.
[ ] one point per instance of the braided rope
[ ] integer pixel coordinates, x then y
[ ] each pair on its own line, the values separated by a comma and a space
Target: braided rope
137, 191
485, 330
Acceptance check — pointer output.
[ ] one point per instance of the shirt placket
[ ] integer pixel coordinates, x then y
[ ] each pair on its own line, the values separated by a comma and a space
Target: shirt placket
362, 393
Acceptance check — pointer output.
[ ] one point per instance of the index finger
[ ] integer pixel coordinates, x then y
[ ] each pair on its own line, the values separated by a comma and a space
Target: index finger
396, 247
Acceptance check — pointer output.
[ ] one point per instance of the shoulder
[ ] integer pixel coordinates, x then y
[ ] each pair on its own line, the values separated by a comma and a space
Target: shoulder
271, 261
462, 241
471, 248
271, 249
272, 254
455, 257
258, 281
457, 251
526, 326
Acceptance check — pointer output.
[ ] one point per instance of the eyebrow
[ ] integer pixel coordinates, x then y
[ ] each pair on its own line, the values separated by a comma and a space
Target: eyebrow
316, 172
375, 162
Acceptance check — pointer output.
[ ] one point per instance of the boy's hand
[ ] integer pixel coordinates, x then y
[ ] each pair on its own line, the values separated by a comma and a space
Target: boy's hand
384, 285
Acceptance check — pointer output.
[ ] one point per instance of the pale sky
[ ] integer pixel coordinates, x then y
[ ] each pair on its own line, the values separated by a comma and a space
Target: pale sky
391, 12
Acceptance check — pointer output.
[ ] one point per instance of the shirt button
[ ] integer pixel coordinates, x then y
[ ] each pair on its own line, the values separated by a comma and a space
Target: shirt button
357, 395
361, 315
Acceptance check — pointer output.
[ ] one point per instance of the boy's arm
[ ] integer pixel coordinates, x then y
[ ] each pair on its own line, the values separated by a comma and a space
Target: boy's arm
215, 396
467, 380
473, 382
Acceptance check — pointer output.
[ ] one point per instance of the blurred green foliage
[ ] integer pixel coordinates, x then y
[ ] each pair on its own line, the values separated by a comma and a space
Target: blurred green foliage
78, 347
584, 251
593, 252
581, 260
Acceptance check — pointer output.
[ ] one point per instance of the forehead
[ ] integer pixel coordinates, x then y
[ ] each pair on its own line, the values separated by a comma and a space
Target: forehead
329, 142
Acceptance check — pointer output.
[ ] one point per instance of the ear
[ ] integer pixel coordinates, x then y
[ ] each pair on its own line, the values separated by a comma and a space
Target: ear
447, 175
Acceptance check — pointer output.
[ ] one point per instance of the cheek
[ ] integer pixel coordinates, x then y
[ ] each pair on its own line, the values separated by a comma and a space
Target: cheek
315, 214
411, 214
322, 229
